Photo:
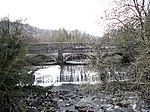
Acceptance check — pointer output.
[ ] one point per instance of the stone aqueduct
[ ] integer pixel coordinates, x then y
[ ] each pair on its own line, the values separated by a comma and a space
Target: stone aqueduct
61, 52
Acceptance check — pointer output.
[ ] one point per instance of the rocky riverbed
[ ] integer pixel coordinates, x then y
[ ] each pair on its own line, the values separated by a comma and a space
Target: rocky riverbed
75, 98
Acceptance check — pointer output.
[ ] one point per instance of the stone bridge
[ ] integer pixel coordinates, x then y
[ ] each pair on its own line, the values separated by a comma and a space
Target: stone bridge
62, 52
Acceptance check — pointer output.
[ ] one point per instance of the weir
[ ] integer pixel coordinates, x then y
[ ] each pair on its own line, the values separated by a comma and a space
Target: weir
69, 63
65, 74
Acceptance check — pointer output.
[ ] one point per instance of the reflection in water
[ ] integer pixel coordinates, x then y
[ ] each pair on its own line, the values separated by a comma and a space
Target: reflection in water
65, 74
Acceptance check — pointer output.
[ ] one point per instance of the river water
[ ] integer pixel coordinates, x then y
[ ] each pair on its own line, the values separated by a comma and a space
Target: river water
62, 77
58, 75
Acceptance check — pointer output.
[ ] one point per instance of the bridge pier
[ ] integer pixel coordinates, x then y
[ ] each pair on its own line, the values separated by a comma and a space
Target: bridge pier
60, 60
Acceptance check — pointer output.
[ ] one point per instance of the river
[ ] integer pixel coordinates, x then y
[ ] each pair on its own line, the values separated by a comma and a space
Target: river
73, 91
57, 75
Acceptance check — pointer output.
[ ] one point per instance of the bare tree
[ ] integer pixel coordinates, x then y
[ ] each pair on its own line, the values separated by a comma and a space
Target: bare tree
129, 27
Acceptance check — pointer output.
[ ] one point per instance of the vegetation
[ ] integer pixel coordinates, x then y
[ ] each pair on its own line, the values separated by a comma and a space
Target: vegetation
16, 80
60, 35
13, 41
130, 32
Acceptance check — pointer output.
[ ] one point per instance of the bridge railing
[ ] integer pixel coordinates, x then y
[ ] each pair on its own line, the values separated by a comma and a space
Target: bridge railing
54, 47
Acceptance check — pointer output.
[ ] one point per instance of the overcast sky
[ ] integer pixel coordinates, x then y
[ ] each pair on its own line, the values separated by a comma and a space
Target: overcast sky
83, 15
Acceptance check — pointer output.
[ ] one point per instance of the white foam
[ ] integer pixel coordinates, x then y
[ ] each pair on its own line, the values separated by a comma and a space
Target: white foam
48, 76
51, 76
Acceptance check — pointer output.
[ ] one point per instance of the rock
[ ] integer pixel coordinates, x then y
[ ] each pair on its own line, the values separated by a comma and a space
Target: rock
82, 110
63, 92
69, 104
107, 107
32, 110
34, 104
74, 101
62, 97
81, 97
123, 103
73, 97
103, 108
40, 107
69, 111
79, 107
90, 110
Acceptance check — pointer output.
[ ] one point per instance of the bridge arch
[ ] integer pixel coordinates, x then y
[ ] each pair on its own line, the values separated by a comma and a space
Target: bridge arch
78, 56
61, 52
40, 58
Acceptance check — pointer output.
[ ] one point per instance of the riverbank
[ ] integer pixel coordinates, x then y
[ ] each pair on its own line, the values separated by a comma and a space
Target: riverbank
80, 98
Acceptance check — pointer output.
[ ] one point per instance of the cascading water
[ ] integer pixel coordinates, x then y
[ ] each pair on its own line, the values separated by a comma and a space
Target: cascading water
65, 74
